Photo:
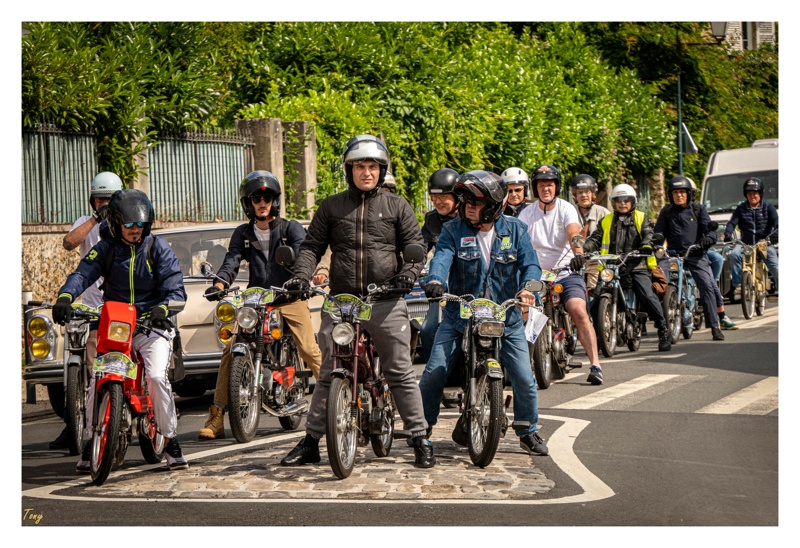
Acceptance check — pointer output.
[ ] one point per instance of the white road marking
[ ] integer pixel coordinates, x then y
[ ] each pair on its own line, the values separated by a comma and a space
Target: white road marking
608, 394
560, 444
770, 316
760, 398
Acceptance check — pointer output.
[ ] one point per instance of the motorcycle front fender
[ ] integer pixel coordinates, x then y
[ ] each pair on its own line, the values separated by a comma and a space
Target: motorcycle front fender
239, 349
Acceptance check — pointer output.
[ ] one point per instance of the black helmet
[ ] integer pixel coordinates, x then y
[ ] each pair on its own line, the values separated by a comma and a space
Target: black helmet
129, 206
443, 181
583, 181
262, 182
679, 182
365, 147
545, 172
487, 187
753, 183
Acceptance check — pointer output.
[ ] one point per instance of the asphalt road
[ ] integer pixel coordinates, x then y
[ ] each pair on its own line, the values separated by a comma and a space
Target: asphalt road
684, 438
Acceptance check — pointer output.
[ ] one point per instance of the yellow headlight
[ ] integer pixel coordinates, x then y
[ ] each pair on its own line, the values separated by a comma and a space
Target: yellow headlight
224, 333
119, 331
37, 327
40, 348
225, 312
607, 275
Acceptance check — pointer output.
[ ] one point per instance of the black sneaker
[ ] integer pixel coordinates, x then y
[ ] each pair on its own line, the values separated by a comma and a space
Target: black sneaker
423, 453
84, 465
62, 441
534, 444
664, 344
716, 334
302, 454
175, 458
595, 375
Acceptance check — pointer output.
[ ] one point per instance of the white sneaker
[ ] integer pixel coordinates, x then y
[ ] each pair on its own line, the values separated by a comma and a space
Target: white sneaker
175, 458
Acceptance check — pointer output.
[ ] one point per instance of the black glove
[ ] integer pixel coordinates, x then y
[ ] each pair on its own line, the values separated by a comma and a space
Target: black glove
404, 282
576, 263
213, 293
158, 318
646, 250
706, 242
101, 213
773, 238
297, 284
433, 290
727, 237
62, 310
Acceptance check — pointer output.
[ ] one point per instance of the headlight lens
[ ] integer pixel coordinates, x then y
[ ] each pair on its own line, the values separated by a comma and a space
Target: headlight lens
343, 334
38, 327
225, 312
225, 333
606, 274
491, 329
661, 253
247, 317
119, 331
673, 266
40, 348
748, 252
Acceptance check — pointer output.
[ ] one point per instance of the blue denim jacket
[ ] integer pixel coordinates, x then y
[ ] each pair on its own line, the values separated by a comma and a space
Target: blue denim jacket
457, 265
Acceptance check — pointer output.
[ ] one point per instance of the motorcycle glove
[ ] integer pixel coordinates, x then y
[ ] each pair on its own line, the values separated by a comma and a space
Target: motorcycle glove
646, 249
433, 290
706, 242
213, 293
404, 282
101, 213
576, 263
158, 317
727, 237
297, 284
62, 310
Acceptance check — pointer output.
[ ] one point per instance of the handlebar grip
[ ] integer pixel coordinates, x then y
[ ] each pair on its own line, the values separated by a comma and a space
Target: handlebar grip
35, 303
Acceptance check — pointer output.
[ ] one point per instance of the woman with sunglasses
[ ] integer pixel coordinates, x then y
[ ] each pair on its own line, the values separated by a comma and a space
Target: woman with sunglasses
146, 279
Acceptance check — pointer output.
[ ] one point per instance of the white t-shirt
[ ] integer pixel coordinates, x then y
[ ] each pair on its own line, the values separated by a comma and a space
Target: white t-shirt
263, 237
548, 232
485, 240
92, 296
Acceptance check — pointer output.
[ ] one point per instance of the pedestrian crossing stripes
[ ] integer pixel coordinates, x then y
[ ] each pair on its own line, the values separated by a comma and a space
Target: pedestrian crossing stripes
760, 398
600, 397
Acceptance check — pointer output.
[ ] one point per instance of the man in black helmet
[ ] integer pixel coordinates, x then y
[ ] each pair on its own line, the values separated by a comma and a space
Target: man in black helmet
256, 242
366, 229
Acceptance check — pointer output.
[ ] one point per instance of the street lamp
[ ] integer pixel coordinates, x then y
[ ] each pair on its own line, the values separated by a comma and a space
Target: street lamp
719, 31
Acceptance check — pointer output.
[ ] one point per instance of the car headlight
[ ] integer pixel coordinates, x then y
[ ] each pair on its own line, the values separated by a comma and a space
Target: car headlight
224, 334
40, 348
247, 317
491, 329
607, 274
343, 334
119, 331
37, 326
225, 312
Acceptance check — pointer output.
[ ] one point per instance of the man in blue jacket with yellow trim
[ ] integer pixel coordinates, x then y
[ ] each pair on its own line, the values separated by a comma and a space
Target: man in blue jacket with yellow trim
144, 272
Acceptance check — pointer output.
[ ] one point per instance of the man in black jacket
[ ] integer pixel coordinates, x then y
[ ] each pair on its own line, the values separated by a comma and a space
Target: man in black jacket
256, 242
366, 230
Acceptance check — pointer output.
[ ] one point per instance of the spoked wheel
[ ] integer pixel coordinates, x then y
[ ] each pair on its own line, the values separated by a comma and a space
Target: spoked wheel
544, 366
636, 338
298, 389
243, 400
485, 421
672, 313
75, 411
606, 327
151, 441
748, 295
104, 441
382, 442
341, 430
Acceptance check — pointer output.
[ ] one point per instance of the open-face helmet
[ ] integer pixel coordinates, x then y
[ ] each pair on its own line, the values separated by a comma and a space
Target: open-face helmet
389, 182
482, 186
443, 181
516, 176
623, 191
679, 182
104, 185
753, 183
583, 181
365, 147
259, 182
545, 172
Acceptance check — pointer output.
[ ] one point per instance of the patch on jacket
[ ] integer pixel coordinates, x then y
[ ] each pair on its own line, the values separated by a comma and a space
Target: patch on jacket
505, 243
468, 241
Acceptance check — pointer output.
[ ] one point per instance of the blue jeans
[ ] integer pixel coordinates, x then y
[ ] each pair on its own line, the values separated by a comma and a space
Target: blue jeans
516, 364
427, 332
736, 264
716, 261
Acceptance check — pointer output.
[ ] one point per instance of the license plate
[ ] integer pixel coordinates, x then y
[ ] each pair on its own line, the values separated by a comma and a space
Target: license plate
115, 363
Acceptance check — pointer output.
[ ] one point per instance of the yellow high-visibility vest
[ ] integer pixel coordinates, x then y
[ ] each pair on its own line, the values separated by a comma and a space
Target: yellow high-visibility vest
638, 220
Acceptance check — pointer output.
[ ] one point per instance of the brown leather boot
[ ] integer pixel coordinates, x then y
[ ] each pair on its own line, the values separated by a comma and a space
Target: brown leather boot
215, 425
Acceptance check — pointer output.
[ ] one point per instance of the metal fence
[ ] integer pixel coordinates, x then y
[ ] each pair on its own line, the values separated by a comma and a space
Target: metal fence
56, 170
195, 177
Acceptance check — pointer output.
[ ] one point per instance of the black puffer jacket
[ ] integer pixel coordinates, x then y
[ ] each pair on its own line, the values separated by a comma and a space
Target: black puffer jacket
366, 232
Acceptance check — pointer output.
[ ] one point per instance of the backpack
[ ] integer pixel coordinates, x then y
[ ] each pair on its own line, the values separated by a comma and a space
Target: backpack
281, 237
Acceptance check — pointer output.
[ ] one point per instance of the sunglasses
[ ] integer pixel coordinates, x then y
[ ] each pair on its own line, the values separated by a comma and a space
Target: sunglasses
140, 224
515, 190
258, 198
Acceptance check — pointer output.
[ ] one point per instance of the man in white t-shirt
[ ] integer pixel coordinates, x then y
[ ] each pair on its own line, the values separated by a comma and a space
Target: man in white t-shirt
86, 233
552, 223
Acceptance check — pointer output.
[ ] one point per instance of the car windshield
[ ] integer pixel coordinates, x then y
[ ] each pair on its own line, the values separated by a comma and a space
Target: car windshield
193, 247
722, 194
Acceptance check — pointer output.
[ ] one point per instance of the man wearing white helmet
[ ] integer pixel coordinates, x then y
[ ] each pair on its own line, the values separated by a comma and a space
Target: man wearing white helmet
85, 232
624, 231
517, 182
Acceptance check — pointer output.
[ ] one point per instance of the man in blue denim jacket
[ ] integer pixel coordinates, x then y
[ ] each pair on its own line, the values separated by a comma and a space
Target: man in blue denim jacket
488, 255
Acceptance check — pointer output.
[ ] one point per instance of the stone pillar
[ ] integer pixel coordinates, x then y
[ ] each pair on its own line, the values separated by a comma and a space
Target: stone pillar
301, 156
267, 133
141, 163
657, 194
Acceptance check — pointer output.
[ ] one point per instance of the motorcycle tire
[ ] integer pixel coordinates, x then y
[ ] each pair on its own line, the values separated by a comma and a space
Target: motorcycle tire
687, 330
151, 441
606, 327
75, 411
485, 421
382, 442
244, 403
55, 393
542, 361
633, 343
671, 309
748, 295
341, 435
292, 422
105, 442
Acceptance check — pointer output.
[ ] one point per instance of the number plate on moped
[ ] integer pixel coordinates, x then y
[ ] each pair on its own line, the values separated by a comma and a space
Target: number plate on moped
115, 363
482, 308
256, 295
348, 304
547, 276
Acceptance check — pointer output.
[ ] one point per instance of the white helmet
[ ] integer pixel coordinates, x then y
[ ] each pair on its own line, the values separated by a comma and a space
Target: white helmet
623, 191
516, 176
104, 185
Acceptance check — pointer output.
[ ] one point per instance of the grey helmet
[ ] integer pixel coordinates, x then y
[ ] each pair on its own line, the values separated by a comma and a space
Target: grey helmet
104, 185
389, 183
583, 181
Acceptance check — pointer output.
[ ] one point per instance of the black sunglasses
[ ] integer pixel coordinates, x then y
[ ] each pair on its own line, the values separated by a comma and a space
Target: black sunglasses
258, 198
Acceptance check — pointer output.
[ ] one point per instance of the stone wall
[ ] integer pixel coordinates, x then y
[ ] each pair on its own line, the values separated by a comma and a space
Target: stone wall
46, 264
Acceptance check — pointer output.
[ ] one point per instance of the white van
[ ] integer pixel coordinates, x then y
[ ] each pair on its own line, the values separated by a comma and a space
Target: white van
727, 171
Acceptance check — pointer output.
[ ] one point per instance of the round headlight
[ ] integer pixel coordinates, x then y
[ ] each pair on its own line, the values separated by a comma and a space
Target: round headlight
343, 334
606, 274
247, 317
40, 348
38, 327
225, 334
225, 312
